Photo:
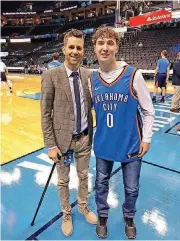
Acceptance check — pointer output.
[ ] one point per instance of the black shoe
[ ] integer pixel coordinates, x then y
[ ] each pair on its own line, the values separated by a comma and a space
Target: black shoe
130, 228
175, 110
101, 227
162, 100
154, 99
10, 89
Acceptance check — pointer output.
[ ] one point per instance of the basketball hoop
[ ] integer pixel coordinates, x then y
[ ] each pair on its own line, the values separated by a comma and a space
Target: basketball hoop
117, 25
120, 30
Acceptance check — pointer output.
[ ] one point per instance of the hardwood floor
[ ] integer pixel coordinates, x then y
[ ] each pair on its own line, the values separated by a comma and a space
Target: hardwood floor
20, 118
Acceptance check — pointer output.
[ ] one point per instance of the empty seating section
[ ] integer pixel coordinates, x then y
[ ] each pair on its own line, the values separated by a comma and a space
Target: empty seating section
108, 20
24, 47
54, 28
44, 55
44, 29
10, 30
19, 53
153, 41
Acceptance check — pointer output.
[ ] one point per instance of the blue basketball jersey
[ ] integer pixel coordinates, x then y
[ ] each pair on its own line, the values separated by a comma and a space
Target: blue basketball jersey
119, 125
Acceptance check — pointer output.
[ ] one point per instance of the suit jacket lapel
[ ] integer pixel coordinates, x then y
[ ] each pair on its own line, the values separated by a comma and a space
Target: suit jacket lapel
62, 74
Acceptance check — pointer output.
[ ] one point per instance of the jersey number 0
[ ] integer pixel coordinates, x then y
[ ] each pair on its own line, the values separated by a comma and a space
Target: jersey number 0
110, 120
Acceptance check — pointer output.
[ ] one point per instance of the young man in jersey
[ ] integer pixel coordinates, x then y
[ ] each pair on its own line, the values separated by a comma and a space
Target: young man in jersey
121, 136
161, 75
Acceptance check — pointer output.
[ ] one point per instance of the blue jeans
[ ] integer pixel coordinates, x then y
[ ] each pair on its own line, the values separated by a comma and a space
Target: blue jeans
131, 175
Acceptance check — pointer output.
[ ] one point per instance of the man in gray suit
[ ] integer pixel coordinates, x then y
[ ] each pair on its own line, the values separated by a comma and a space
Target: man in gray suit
67, 124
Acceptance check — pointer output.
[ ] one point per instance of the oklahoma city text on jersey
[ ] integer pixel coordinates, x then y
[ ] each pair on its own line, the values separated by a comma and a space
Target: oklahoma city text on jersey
108, 106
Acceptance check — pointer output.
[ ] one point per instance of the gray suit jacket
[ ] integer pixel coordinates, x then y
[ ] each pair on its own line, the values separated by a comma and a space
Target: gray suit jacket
57, 111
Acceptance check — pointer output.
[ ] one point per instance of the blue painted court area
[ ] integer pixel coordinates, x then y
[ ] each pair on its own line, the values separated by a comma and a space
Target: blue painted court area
35, 96
157, 217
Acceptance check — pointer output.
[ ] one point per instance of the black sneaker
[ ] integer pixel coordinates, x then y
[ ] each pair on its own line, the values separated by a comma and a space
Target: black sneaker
162, 99
154, 99
130, 228
10, 89
101, 227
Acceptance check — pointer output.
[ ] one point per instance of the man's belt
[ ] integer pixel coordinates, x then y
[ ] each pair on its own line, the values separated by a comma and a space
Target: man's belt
78, 136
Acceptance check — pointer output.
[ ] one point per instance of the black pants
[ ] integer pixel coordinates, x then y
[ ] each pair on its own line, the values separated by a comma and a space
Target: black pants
3, 77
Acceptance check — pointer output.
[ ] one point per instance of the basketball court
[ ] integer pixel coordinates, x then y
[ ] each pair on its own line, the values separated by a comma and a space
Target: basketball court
26, 167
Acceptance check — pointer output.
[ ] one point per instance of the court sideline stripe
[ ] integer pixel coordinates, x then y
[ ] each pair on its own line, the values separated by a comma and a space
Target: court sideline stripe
165, 168
48, 224
172, 127
21, 157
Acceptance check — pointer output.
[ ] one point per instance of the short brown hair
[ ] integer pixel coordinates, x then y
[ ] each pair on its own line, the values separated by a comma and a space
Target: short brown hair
164, 52
55, 56
73, 33
105, 32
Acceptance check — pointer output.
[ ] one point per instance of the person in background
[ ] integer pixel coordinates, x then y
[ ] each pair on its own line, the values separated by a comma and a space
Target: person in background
175, 105
161, 75
43, 68
84, 62
26, 68
140, 45
55, 62
39, 69
4, 73
32, 61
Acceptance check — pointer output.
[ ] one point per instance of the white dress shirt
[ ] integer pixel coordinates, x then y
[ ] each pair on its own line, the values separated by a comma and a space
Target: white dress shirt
84, 121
